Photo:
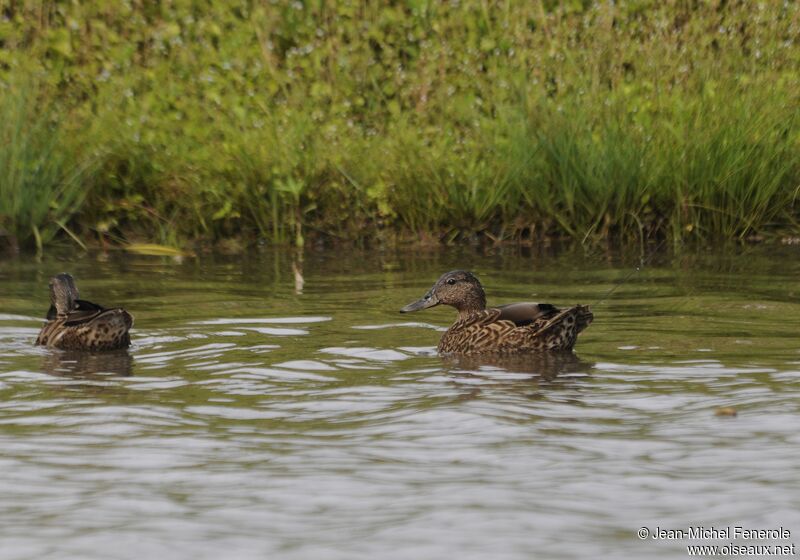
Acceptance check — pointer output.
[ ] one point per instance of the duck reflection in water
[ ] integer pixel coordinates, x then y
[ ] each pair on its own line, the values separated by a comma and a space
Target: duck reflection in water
476, 377
543, 366
88, 365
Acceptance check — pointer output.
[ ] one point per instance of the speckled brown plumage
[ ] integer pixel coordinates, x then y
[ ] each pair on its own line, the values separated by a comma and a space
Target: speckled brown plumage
513, 328
76, 324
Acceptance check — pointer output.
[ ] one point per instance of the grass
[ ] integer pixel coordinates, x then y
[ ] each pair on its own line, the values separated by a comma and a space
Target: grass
43, 183
382, 120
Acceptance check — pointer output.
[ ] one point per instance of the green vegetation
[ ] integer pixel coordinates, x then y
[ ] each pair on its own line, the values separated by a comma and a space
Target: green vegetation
43, 183
195, 120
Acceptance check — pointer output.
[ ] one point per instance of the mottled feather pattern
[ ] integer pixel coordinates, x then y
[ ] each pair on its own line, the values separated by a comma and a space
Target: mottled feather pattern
76, 324
507, 329
107, 330
482, 332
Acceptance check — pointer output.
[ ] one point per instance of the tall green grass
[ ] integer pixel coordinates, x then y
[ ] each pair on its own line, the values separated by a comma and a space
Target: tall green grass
282, 121
42, 181
724, 167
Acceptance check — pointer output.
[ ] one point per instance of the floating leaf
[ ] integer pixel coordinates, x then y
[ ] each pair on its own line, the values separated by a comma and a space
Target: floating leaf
156, 250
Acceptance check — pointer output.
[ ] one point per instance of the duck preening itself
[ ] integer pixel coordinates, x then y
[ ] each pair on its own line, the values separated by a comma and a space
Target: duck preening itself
512, 328
77, 324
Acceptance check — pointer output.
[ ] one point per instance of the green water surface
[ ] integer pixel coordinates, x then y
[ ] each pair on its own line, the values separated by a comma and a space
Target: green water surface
278, 407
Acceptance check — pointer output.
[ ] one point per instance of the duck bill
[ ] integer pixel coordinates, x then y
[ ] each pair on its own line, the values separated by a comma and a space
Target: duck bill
428, 300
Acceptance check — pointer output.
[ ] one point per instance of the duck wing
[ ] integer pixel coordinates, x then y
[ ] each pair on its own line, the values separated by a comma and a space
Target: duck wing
510, 316
84, 312
523, 314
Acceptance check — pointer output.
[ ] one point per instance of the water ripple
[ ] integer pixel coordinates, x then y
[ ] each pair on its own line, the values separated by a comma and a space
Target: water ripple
333, 430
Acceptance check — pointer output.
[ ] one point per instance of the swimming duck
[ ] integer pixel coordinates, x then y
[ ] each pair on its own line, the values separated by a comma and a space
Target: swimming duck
77, 324
512, 328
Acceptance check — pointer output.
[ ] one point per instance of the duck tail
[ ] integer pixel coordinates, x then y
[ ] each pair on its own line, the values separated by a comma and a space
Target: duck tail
583, 316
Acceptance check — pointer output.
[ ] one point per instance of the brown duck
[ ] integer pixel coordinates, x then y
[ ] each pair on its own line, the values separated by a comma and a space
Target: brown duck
77, 324
512, 328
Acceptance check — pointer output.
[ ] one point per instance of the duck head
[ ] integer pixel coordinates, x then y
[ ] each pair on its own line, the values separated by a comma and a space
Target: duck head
458, 288
63, 293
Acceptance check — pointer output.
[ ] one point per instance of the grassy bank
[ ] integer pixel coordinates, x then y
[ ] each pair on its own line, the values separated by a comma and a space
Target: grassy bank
193, 121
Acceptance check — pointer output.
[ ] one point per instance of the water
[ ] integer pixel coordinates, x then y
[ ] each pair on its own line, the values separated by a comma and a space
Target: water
276, 408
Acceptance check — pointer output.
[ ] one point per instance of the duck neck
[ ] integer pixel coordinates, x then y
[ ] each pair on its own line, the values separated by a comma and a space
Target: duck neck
64, 303
471, 305
63, 295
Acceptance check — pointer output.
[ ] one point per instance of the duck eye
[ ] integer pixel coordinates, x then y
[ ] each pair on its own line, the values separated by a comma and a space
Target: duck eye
451, 281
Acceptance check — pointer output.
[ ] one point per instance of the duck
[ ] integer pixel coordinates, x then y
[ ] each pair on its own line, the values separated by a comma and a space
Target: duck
77, 324
505, 329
